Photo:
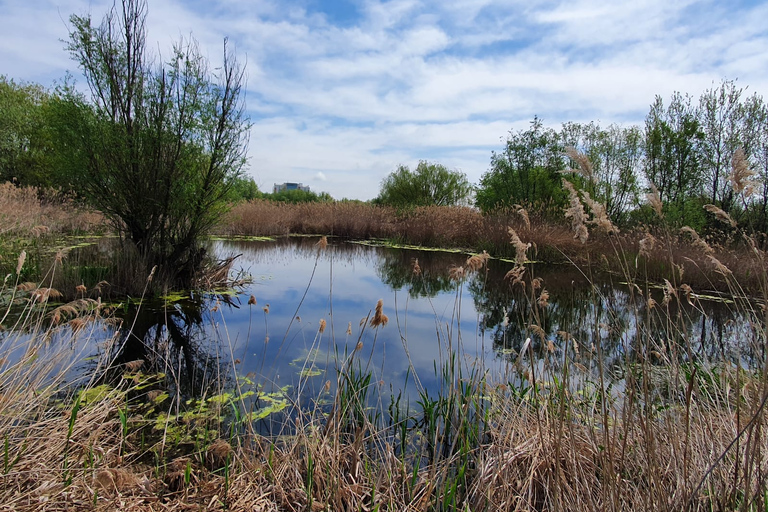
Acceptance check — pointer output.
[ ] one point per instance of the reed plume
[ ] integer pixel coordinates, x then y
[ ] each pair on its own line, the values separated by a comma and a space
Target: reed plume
720, 214
520, 247
654, 199
379, 318
585, 166
576, 213
741, 176
523, 213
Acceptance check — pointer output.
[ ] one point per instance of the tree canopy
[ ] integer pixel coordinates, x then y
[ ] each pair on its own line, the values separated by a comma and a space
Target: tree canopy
429, 184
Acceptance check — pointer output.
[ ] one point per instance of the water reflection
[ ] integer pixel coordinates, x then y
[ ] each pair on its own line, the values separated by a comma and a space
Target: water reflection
277, 343
175, 340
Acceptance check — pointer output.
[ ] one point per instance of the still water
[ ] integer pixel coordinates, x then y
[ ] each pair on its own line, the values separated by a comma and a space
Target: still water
268, 336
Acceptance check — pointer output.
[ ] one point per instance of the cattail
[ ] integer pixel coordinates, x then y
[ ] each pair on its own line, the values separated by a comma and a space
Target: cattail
720, 214
741, 176
321, 327
252, 300
327, 386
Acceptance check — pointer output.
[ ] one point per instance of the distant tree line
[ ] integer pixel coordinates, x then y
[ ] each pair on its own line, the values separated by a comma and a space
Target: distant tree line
686, 150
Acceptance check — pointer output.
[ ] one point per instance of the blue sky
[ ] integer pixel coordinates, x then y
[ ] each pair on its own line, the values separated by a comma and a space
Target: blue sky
343, 91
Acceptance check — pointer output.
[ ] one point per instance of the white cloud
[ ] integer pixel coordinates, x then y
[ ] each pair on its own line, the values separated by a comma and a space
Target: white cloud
412, 79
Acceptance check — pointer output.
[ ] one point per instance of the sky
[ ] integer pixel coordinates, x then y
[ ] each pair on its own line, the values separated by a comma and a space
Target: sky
341, 92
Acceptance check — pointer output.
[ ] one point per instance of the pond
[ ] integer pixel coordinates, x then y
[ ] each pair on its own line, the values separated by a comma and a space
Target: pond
307, 315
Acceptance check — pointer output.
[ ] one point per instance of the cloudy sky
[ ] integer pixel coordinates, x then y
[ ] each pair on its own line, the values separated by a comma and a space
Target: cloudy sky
343, 91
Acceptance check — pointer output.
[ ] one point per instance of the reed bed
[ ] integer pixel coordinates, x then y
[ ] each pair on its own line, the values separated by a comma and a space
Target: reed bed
24, 212
466, 228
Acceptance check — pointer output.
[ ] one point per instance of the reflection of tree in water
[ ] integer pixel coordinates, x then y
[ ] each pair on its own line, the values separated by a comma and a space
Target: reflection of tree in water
174, 341
396, 269
614, 319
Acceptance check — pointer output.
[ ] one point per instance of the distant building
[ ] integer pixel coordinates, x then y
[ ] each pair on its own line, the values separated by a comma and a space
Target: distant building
289, 186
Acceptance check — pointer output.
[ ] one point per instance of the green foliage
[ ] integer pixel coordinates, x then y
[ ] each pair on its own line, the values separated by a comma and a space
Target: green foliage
526, 173
160, 145
299, 196
25, 144
615, 154
429, 184
244, 188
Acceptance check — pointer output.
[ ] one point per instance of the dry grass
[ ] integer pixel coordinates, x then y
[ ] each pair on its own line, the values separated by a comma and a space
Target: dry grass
23, 213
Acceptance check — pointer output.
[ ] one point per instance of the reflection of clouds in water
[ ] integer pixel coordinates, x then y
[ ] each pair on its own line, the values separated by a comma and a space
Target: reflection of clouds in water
349, 278
345, 283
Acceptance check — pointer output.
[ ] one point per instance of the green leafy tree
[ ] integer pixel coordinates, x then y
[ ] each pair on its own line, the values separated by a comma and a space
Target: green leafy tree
527, 172
429, 184
244, 188
615, 154
25, 144
720, 115
162, 144
672, 158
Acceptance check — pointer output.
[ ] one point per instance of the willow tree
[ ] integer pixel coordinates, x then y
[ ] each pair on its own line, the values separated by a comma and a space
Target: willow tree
159, 145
